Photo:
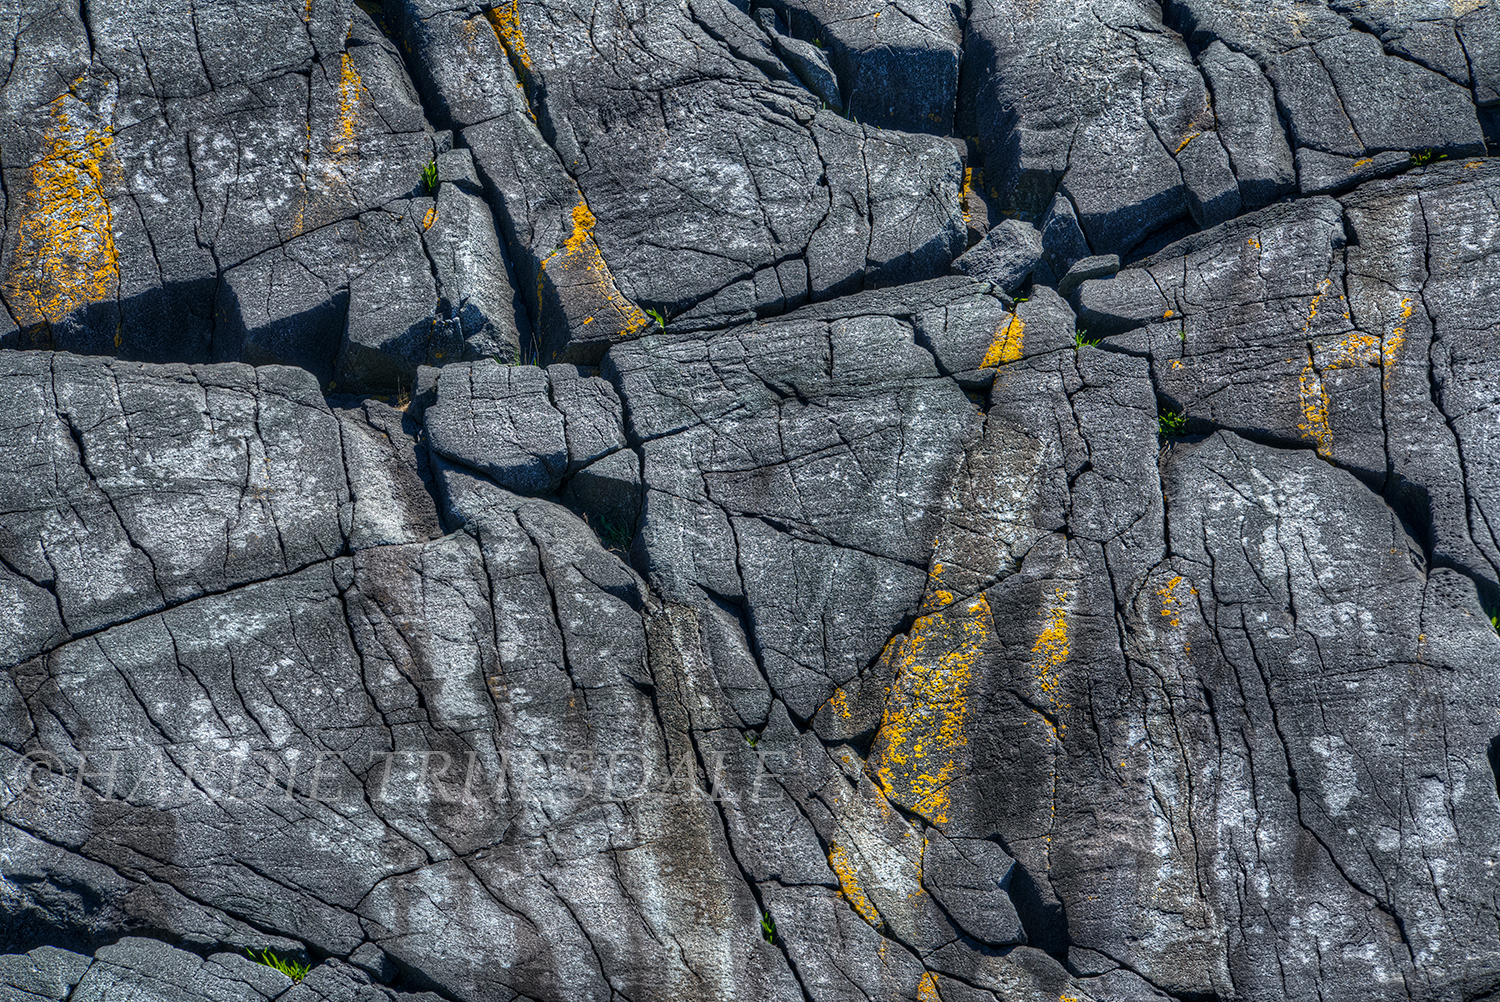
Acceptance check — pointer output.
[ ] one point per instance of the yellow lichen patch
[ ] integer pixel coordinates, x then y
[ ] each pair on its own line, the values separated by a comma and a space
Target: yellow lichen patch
927, 989
430, 218
1185, 140
579, 256
1348, 352
1314, 396
506, 20
1006, 344
1474, 163
65, 257
349, 87
583, 228
848, 875
922, 730
1169, 599
839, 703
1253, 243
1363, 163
1050, 652
1312, 307
1314, 423
963, 196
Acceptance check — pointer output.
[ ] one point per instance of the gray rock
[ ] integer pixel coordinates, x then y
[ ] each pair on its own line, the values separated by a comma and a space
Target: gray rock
812, 68
230, 193
1084, 269
699, 251
969, 877
1249, 126
898, 66
1063, 242
857, 631
45, 972
1108, 132
1340, 90
132, 487
498, 419
1006, 256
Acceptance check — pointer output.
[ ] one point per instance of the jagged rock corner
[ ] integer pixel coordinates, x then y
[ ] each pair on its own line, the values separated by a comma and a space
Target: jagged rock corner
767, 500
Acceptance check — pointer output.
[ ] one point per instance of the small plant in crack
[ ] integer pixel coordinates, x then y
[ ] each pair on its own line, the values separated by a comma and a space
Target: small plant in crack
818, 42
752, 738
614, 535
1495, 622
1081, 339
291, 968
1170, 424
767, 927
1425, 157
430, 176
1182, 334
661, 320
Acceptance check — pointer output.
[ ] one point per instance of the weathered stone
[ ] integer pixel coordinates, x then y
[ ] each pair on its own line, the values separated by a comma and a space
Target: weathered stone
820, 624
1006, 256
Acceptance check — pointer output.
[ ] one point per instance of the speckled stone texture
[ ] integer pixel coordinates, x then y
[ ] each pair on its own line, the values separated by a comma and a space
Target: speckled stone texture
796, 501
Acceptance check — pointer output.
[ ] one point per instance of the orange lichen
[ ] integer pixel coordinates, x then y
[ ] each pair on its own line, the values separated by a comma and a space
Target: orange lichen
922, 730
349, 87
1363, 163
1348, 352
430, 218
839, 703
1314, 395
1315, 410
1253, 243
927, 988
1051, 652
580, 253
848, 875
1169, 599
1312, 307
65, 256
506, 20
1006, 344
1185, 140
963, 196
583, 227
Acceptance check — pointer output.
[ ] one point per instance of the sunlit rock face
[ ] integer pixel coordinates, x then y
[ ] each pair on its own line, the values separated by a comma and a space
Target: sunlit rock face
803, 501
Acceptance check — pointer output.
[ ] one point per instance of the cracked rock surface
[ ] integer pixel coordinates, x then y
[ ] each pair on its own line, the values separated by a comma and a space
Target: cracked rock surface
787, 500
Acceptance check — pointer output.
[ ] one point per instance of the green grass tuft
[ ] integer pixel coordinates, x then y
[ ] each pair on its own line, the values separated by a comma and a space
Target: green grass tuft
430, 176
290, 968
1170, 425
768, 928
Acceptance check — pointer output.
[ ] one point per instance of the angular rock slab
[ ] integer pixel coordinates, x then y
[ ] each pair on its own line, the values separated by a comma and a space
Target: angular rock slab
1359, 328
795, 469
719, 192
176, 194
1099, 102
